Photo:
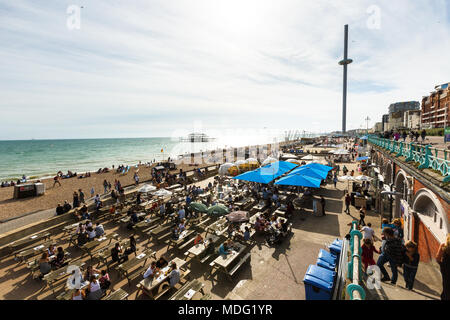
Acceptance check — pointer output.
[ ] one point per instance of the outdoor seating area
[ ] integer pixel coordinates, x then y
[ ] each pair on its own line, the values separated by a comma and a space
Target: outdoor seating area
153, 244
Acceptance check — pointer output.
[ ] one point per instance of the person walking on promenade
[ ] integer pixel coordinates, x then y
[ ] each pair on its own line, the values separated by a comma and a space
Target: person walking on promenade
322, 202
392, 252
367, 253
443, 258
404, 135
92, 192
348, 201
105, 186
362, 215
81, 196
56, 181
423, 135
76, 201
344, 170
335, 180
416, 136
411, 263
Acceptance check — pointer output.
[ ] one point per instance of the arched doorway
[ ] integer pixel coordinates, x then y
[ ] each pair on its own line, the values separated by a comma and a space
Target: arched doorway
401, 185
431, 213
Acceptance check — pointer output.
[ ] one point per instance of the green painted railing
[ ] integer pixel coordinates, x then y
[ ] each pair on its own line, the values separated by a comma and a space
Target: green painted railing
426, 156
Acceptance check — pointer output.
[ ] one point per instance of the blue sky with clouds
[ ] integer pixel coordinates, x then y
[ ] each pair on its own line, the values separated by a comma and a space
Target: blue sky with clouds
145, 68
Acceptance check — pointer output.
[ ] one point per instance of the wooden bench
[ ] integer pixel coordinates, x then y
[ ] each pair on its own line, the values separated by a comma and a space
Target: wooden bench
195, 285
238, 265
23, 254
60, 273
119, 294
183, 275
28, 241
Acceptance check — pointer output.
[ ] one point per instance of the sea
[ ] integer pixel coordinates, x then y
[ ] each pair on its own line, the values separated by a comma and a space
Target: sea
44, 158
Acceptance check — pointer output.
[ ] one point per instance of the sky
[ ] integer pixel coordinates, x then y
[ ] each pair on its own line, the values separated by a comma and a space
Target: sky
149, 68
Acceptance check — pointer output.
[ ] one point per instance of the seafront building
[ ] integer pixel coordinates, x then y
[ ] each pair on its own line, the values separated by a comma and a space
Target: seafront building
436, 108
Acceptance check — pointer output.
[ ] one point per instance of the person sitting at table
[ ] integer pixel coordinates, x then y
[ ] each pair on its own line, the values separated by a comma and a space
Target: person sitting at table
247, 233
91, 233
105, 281
161, 263
175, 233
151, 271
284, 227
132, 247
82, 238
84, 213
78, 294
59, 210
116, 254
51, 250
59, 260
224, 249
88, 224
44, 265
174, 275
198, 239
95, 291
99, 230
182, 225
90, 271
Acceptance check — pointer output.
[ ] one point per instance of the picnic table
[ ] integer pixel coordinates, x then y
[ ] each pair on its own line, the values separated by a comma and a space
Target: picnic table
218, 227
60, 273
223, 263
28, 241
125, 268
127, 218
71, 227
91, 245
199, 248
174, 186
31, 252
154, 233
188, 290
146, 223
151, 284
258, 207
184, 235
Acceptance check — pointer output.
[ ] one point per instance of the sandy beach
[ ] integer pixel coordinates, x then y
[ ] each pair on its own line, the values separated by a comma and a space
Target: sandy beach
10, 207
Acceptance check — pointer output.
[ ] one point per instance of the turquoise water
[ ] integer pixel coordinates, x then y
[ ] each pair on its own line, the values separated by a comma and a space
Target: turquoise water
39, 158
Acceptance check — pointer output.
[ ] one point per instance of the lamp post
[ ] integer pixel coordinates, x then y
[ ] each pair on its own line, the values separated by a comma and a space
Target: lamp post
346, 61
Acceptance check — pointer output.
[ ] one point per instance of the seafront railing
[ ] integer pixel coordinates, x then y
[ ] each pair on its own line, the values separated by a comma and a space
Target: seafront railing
354, 289
425, 156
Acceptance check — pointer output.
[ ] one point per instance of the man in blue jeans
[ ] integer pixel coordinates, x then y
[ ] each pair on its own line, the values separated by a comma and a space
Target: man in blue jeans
392, 252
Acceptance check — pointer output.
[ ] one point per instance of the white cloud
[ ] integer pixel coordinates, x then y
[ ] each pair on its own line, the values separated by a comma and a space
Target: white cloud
144, 68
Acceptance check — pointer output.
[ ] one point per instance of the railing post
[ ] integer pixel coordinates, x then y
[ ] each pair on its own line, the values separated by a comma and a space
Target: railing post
426, 158
400, 153
354, 290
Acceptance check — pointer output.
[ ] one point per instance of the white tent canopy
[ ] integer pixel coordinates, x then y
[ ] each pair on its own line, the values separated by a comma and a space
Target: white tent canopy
162, 193
268, 161
223, 169
146, 188
340, 152
310, 157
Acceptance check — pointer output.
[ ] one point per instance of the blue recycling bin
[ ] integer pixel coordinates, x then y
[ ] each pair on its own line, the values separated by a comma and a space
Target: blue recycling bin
325, 255
326, 260
319, 283
336, 247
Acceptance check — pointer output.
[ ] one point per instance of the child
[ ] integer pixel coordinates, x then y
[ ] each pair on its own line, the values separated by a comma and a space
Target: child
367, 253
411, 264
104, 280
